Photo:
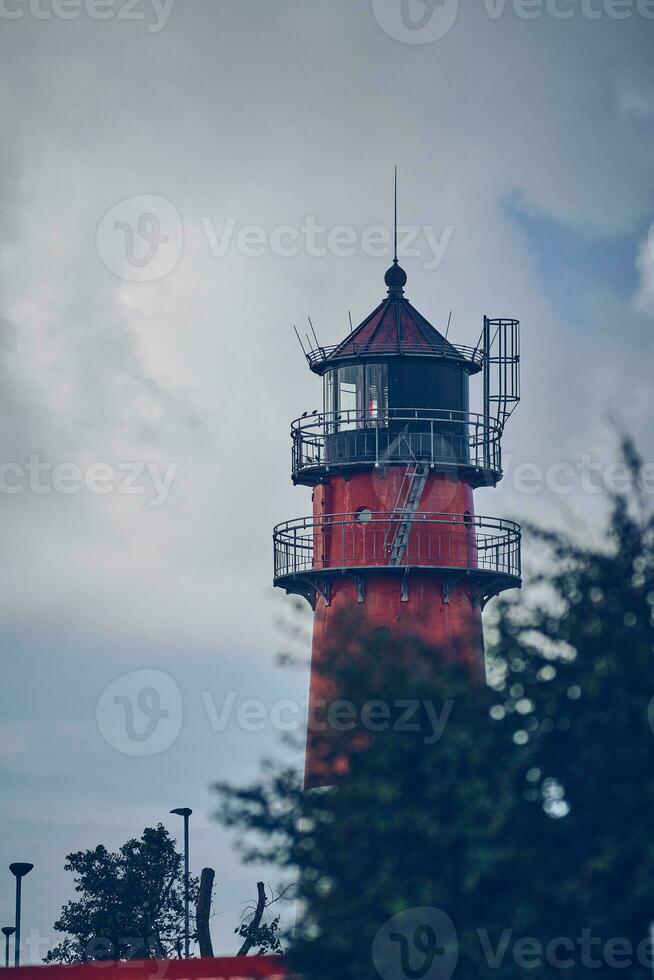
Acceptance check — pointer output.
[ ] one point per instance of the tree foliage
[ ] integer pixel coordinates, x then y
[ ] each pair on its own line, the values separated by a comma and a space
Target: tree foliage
131, 903
526, 821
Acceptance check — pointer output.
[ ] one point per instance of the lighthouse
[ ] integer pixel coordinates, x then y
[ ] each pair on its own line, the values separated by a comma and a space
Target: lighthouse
393, 460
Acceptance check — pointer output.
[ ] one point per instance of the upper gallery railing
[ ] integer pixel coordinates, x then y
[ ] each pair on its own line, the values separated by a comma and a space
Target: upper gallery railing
400, 436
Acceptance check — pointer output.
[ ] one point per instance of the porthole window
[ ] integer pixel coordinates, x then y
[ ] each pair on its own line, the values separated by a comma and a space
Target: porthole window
364, 515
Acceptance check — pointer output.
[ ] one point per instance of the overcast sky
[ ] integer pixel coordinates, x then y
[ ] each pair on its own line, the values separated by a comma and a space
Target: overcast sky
143, 322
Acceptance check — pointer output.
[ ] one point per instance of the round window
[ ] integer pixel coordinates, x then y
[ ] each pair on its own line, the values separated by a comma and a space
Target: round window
364, 515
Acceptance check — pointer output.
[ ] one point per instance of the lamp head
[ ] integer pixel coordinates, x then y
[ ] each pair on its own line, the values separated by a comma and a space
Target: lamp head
8, 931
19, 869
183, 811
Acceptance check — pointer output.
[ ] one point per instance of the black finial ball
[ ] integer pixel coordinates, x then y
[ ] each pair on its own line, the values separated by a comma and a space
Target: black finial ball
395, 278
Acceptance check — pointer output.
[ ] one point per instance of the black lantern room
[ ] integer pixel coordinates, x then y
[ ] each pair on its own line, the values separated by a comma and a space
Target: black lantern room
396, 390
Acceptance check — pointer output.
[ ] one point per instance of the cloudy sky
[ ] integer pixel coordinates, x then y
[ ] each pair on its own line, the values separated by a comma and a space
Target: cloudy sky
180, 182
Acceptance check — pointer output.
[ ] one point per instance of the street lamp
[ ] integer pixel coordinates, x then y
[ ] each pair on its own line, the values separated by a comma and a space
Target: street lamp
184, 811
19, 871
8, 931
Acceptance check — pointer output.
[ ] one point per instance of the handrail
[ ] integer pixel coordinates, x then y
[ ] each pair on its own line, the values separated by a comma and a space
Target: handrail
432, 517
446, 351
400, 436
336, 542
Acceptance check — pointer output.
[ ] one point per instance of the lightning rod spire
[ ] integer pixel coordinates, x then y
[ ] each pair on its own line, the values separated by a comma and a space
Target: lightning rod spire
395, 278
395, 220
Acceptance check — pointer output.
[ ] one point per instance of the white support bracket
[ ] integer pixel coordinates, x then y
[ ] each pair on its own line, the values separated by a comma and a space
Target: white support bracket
324, 588
360, 586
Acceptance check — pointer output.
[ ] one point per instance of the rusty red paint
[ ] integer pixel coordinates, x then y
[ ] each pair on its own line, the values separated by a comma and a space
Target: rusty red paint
442, 617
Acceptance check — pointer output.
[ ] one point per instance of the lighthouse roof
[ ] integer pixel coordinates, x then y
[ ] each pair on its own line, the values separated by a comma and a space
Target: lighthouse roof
394, 329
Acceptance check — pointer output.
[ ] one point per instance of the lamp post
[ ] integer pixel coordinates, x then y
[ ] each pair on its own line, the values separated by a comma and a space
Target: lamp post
185, 812
7, 931
18, 870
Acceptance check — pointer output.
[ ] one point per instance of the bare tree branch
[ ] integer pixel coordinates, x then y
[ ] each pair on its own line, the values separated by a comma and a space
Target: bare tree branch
256, 921
203, 911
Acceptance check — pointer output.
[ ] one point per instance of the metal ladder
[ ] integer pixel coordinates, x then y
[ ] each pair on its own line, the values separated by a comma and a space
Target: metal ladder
413, 485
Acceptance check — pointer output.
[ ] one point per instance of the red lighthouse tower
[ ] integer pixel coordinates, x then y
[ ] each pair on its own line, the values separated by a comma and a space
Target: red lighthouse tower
394, 459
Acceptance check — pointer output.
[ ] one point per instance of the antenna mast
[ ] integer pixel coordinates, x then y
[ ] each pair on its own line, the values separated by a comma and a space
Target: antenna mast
315, 336
300, 341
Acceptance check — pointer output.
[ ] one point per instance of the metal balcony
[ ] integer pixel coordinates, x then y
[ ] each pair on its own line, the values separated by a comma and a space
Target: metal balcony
312, 550
458, 442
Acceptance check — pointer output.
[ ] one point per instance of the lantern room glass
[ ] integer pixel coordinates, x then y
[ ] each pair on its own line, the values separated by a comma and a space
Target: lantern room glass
376, 391
356, 396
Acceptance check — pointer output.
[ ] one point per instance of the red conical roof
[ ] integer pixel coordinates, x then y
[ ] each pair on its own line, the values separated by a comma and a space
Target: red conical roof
394, 329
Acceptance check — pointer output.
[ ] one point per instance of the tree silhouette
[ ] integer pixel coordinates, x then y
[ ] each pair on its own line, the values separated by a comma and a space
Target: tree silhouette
131, 903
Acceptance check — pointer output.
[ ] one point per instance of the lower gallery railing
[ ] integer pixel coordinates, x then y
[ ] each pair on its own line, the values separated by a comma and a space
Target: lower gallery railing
350, 541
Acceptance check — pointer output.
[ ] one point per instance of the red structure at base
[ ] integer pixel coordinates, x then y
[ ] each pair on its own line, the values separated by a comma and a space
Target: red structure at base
225, 968
394, 459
